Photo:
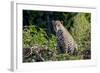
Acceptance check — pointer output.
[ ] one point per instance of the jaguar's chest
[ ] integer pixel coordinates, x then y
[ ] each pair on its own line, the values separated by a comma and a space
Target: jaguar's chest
60, 37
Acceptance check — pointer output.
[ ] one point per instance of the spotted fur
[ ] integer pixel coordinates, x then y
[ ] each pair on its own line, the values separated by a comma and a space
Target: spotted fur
65, 41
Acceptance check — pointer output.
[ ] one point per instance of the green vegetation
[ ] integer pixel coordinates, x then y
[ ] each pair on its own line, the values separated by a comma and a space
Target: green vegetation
37, 30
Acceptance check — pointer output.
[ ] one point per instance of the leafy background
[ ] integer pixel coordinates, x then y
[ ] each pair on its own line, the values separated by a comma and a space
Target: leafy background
38, 31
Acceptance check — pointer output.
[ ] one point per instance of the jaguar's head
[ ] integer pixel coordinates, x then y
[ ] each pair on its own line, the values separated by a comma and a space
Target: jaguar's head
57, 25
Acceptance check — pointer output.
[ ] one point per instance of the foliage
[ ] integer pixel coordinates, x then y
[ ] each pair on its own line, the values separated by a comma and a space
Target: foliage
33, 36
81, 32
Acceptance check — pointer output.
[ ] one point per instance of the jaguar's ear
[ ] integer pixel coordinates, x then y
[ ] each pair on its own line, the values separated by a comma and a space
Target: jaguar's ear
62, 22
